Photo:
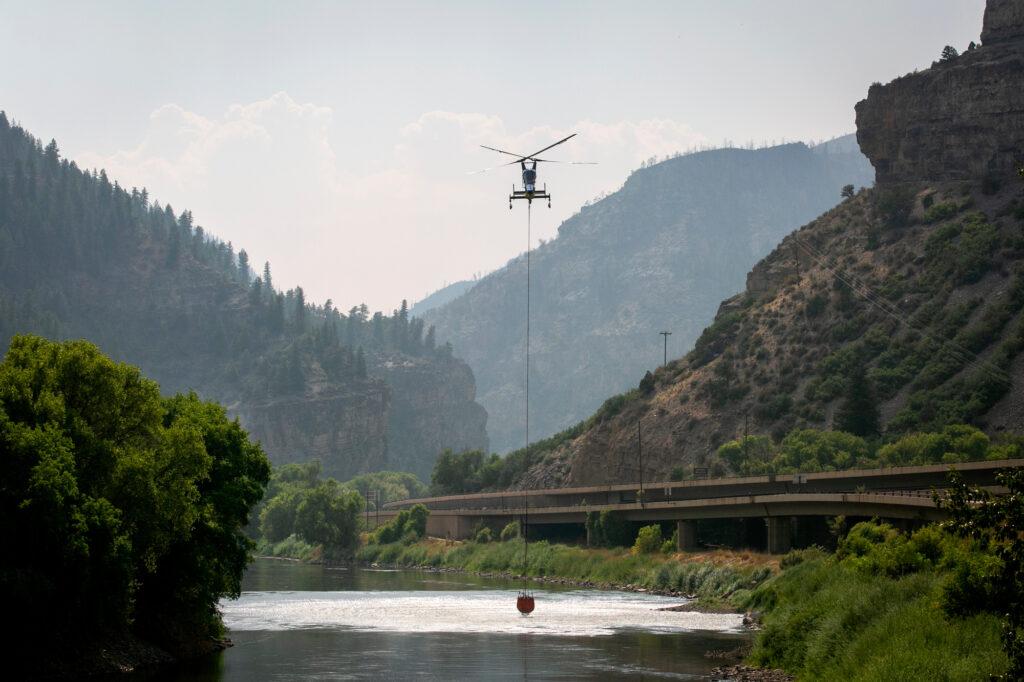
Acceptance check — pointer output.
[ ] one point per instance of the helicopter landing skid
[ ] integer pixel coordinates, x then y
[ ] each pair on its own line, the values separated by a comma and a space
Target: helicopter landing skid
529, 196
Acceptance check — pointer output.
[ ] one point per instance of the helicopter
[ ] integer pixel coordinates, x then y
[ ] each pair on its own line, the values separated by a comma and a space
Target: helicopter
528, 164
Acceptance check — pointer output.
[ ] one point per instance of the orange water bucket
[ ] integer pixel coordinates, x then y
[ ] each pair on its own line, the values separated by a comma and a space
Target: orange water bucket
525, 604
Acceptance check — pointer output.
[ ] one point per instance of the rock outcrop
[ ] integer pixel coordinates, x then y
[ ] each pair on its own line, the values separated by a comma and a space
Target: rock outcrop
1004, 22
961, 119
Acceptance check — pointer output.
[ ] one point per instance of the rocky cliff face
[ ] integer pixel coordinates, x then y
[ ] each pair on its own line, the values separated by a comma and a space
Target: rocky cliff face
657, 255
914, 288
432, 408
961, 119
346, 427
1004, 22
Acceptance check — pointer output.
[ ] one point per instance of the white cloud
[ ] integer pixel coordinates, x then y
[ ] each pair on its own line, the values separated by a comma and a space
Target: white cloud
266, 176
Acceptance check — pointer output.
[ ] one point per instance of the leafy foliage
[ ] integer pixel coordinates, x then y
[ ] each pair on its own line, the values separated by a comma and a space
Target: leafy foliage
809, 450
318, 512
408, 525
871, 611
125, 508
648, 540
995, 522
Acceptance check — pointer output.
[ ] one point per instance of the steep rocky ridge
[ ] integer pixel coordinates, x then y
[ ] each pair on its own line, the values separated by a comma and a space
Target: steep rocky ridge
916, 284
962, 118
82, 258
657, 255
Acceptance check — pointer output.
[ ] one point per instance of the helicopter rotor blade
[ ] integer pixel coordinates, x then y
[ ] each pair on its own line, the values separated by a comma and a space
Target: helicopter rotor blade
571, 163
519, 157
541, 151
484, 170
529, 157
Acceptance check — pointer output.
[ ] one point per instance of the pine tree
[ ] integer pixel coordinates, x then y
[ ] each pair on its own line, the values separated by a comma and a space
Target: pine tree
859, 412
430, 342
243, 266
256, 292
267, 282
300, 310
360, 363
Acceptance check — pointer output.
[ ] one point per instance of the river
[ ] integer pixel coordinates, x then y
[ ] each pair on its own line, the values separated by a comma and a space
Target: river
307, 622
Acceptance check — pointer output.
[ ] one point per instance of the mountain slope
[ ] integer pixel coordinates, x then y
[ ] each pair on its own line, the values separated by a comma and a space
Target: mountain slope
81, 257
443, 295
900, 310
659, 254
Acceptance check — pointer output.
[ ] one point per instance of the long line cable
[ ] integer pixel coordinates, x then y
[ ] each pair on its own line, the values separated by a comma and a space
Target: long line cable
526, 496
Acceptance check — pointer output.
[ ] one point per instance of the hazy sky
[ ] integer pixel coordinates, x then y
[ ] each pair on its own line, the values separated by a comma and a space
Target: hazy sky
333, 138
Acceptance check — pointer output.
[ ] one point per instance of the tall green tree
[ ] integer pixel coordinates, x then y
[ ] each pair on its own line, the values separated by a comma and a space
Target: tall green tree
858, 413
126, 508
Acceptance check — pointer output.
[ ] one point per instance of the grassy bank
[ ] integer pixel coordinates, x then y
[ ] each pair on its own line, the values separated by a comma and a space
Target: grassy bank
891, 616
715, 578
292, 547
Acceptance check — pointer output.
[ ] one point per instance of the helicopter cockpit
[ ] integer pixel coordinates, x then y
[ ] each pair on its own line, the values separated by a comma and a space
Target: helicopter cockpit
529, 177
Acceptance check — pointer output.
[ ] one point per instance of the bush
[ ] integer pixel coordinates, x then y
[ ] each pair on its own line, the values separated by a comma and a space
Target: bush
648, 540
895, 204
510, 531
938, 212
798, 556
412, 522
484, 535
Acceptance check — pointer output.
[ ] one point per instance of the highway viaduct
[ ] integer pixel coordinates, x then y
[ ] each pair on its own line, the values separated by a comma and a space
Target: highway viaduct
903, 494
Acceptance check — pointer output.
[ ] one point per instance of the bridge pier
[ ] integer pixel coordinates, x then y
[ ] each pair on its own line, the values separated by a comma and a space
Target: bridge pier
686, 536
780, 529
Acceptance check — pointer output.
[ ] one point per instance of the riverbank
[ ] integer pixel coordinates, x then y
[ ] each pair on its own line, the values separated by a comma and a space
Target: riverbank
714, 581
886, 605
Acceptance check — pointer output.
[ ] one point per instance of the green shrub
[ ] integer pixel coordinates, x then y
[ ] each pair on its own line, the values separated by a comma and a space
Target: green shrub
827, 620
484, 535
510, 531
946, 209
412, 522
798, 556
648, 540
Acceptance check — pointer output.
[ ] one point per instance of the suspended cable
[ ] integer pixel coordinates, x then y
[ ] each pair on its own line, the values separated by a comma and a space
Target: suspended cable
526, 514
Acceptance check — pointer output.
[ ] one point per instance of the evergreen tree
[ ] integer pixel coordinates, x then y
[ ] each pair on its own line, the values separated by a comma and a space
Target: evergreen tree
300, 310
859, 412
243, 266
267, 282
360, 364
430, 342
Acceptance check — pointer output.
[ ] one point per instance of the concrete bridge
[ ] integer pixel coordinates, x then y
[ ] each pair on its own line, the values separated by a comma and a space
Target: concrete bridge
902, 494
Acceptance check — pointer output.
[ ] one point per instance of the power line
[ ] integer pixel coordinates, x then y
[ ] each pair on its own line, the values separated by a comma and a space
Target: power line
961, 353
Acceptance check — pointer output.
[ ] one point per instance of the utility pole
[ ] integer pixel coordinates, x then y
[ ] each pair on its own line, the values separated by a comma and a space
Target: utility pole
665, 335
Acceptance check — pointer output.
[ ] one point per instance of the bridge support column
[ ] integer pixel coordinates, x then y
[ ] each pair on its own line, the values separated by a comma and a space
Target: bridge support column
780, 530
686, 536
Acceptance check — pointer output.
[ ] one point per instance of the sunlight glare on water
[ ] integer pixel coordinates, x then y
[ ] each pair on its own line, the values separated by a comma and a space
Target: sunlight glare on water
573, 613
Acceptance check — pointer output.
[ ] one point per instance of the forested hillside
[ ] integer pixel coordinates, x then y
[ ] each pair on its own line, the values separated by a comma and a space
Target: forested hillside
82, 257
659, 254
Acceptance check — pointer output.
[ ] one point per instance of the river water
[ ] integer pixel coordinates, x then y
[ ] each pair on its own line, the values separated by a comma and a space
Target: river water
305, 622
